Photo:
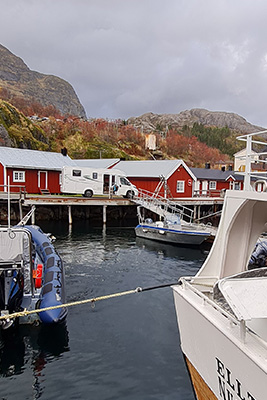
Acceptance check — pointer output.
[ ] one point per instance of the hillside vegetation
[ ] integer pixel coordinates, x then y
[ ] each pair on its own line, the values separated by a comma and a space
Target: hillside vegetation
97, 138
18, 131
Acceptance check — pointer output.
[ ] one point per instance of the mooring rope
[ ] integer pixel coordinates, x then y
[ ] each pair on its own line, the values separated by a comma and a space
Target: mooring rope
26, 312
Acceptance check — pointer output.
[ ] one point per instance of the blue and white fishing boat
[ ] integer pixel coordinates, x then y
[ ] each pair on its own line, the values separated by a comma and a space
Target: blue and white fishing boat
174, 230
31, 276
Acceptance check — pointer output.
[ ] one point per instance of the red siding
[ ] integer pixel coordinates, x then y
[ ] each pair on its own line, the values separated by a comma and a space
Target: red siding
31, 181
150, 184
53, 181
220, 185
1, 177
181, 174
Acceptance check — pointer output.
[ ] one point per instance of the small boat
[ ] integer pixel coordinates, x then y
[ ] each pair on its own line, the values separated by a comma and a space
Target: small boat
174, 231
222, 310
31, 276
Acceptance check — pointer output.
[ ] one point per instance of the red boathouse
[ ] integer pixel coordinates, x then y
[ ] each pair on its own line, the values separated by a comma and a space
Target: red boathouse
147, 175
31, 170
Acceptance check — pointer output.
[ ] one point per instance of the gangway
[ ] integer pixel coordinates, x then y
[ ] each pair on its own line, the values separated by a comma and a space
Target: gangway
162, 206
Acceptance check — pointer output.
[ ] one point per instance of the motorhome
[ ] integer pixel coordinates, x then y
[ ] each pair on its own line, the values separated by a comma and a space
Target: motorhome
96, 181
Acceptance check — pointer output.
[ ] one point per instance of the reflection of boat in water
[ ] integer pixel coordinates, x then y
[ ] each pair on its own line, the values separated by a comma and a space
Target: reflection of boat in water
175, 231
31, 276
34, 345
170, 250
222, 310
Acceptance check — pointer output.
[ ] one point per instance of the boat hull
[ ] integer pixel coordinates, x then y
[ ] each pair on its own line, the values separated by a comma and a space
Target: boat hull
53, 282
177, 236
201, 389
222, 365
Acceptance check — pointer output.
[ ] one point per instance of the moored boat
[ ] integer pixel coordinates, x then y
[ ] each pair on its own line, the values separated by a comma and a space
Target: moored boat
31, 276
175, 232
222, 310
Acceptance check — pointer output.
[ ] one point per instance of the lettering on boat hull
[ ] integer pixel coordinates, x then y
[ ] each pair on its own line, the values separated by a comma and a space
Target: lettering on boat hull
229, 388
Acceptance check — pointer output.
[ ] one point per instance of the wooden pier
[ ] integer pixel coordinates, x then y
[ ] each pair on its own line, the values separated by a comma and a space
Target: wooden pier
62, 207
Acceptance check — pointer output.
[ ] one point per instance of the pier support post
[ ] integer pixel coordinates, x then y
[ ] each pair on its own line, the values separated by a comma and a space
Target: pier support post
104, 215
195, 212
70, 215
199, 214
33, 218
20, 210
87, 212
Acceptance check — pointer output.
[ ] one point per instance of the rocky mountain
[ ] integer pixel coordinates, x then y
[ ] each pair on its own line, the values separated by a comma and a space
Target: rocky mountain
159, 122
20, 81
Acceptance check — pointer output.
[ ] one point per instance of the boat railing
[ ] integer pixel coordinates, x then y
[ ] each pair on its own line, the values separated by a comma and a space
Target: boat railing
16, 251
163, 206
189, 283
251, 157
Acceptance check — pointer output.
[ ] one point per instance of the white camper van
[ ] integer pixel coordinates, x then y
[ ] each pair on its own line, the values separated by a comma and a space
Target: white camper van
96, 181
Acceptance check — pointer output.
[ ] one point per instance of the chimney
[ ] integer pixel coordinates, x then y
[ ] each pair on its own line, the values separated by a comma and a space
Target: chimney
230, 168
223, 169
207, 165
64, 151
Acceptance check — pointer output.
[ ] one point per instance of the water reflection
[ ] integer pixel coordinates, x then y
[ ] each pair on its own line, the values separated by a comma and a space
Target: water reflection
34, 345
172, 251
126, 348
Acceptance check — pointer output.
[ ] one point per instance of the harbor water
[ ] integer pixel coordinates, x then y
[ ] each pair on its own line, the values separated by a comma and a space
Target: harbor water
122, 348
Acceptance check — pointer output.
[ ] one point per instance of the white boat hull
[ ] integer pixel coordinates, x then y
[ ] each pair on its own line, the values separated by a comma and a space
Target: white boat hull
222, 364
186, 236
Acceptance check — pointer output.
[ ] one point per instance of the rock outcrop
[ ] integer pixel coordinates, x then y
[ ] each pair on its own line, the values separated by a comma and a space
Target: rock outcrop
156, 122
20, 81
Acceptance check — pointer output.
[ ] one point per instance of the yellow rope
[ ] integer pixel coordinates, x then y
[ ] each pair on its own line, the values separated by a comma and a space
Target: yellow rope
26, 312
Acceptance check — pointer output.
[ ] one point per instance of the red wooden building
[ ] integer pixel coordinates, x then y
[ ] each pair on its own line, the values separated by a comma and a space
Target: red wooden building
31, 170
181, 180
147, 175
211, 182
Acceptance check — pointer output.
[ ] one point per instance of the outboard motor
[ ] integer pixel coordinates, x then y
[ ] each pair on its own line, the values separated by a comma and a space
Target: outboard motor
11, 292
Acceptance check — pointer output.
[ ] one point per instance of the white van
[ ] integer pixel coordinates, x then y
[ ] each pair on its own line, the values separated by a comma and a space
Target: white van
96, 181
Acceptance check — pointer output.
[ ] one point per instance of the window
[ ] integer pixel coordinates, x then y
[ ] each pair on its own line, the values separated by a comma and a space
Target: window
125, 181
18, 176
76, 172
94, 175
212, 185
180, 187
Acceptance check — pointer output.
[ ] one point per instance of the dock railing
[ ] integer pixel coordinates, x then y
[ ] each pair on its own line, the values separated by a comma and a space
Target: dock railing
15, 191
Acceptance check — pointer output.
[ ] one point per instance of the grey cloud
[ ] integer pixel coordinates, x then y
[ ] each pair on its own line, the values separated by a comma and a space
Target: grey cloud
128, 57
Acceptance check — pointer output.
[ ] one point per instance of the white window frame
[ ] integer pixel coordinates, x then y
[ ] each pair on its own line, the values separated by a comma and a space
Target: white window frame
212, 185
180, 186
18, 176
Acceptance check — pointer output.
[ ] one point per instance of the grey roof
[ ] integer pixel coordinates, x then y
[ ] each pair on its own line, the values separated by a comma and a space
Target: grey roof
149, 168
215, 174
97, 163
33, 159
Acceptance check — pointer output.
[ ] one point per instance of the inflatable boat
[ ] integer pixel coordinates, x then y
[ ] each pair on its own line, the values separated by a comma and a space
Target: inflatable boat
31, 276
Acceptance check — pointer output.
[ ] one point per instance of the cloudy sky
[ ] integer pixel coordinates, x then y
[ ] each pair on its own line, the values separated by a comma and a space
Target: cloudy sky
128, 57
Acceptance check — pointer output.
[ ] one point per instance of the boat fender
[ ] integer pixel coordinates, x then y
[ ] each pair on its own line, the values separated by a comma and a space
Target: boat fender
37, 275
